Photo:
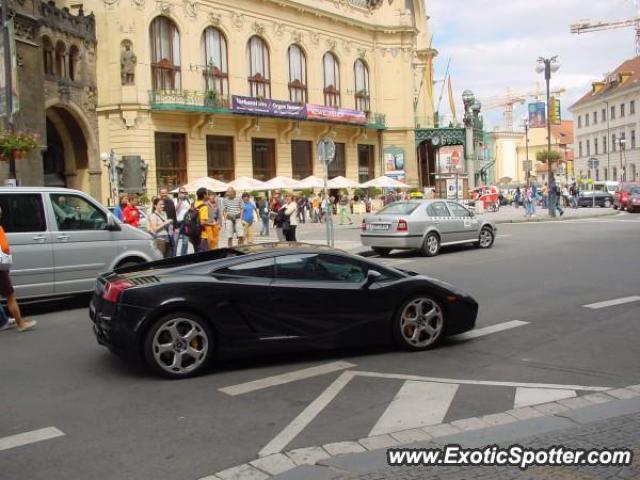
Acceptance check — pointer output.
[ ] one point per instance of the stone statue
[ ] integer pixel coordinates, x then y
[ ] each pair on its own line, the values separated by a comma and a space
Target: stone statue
128, 61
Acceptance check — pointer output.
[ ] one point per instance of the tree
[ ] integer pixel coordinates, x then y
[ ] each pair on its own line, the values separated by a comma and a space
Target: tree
546, 155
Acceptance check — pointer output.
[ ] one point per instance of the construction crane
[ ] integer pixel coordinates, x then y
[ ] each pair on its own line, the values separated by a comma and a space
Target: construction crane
585, 26
510, 99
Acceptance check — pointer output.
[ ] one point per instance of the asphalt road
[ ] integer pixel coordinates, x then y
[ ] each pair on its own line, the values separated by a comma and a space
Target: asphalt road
121, 423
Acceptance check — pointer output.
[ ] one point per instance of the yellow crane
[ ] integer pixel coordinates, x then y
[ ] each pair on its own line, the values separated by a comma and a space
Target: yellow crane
585, 26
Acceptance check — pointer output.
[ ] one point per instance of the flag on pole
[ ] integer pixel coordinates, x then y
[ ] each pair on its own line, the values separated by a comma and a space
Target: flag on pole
429, 76
452, 103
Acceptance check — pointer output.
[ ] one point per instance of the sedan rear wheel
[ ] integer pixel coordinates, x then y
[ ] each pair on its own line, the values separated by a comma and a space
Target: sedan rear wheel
486, 238
420, 324
431, 245
179, 345
383, 252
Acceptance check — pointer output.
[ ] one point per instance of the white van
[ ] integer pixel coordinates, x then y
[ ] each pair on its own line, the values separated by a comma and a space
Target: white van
605, 186
62, 239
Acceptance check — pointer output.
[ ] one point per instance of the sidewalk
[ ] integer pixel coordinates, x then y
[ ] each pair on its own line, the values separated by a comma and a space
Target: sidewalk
516, 215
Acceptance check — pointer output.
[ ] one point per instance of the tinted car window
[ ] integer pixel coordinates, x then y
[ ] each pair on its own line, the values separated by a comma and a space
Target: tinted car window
263, 268
437, 209
75, 213
458, 210
635, 190
326, 268
22, 213
399, 208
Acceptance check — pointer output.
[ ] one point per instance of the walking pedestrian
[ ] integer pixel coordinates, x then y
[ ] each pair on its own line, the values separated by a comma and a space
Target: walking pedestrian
263, 208
182, 206
131, 213
212, 226
277, 204
291, 211
315, 209
232, 209
518, 197
118, 211
555, 194
161, 227
344, 209
7, 291
201, 244
169, 206
249, 211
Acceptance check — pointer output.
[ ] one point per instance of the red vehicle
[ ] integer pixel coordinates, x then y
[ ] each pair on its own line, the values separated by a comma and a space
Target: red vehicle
489, 196
623, 196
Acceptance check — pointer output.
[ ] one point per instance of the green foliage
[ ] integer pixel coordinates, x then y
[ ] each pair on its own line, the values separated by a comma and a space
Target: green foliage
545, 155
18, 141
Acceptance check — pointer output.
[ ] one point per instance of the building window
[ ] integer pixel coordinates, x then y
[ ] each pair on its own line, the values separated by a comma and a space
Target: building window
595, 118
623, 141
597, 174
165, 54
603, 117
586, 120
604, 144
580, 149
633, 139
588, 148
366, 163
622, 107
259, 68
613, 143
301, 159
220, 163
632, 172
331, 80
614, 173
297, 75
74, 56
61, 60
214, 57
613, 113
47, 50
579, 121
339, 165
264, 158
361, 72
606, 174
171, 159
595, 146
632, 107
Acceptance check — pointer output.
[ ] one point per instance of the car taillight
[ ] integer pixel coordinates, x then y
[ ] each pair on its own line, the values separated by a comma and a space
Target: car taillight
363, 226
402, 226
112, 290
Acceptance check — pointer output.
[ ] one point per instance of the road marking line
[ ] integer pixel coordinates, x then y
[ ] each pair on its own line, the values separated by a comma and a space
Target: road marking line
611, 303
418, 378
285, 378
498, 327
417, 404
26, 438
291, 431
525, 397
504, 236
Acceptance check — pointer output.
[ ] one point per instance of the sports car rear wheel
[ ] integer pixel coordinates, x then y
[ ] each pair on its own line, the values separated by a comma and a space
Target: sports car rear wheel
420, 324
179, 345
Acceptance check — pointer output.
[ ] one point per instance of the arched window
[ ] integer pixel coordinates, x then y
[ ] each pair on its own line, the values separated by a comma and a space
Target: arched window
214, 56
361, 75
61, 60
47, 51
259, 70
165, 54
74, 56
297, 75
331, 80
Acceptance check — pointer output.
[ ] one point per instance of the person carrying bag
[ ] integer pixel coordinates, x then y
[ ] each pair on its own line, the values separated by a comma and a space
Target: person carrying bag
161, 228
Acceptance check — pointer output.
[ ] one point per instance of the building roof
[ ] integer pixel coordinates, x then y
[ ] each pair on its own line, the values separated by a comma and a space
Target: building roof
563, 132
611, 83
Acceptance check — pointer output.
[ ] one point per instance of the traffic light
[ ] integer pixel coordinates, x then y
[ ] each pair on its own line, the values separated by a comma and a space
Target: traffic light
555, 116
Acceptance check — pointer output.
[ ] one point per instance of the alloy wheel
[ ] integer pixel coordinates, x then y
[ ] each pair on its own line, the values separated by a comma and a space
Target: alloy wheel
486, 238
421, 322
180, 346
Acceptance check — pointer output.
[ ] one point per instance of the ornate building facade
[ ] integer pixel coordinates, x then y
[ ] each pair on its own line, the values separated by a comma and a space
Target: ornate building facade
227, 88
56, 56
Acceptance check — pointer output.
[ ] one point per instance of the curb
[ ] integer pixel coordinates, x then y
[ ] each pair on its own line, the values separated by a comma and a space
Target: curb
556, 219
269, 466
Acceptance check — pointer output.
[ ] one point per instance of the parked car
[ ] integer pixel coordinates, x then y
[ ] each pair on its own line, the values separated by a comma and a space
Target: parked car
143, 217
602, 199
62, 239
606, 186
425, 226
181, 313
622, 195
633, 203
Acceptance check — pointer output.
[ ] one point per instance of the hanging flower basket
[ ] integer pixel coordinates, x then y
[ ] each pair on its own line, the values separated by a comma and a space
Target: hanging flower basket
17, 144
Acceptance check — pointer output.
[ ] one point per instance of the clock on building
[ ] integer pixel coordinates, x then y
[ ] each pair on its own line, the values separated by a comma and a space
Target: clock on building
436, 141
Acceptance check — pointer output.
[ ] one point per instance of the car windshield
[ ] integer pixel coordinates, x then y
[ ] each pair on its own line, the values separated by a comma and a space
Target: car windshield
399, 208
635, 190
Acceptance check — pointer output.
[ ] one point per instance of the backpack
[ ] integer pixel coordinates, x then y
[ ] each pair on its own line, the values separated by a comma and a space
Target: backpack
191, 226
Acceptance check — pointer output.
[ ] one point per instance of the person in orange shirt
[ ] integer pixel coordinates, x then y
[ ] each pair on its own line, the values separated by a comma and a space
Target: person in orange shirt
6, 290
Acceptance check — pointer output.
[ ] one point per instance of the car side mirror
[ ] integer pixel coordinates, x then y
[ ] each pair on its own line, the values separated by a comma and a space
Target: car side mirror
112, 224
372, 277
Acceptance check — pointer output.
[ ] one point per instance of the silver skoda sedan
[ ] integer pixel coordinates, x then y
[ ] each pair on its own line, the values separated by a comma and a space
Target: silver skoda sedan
425, 225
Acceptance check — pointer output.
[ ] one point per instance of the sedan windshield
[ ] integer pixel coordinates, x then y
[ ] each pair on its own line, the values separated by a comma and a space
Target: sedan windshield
399, 208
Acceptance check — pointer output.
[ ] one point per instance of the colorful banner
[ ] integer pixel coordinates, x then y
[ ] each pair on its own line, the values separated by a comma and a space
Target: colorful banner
452, 103
275, 108
451, 159
320, 112
537, 117
394, 163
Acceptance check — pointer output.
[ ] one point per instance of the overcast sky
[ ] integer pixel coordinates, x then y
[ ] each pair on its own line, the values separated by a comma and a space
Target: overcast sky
494, 44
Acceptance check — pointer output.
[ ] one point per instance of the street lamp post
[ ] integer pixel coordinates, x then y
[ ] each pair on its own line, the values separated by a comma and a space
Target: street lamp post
549, 65
623, 169
111, 161
525, 124
469, 101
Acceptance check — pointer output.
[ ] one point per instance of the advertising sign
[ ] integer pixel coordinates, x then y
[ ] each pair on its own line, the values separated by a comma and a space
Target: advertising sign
454, 193
320, 112
394, 163
537, 115
555, 111
450, 159
274, 108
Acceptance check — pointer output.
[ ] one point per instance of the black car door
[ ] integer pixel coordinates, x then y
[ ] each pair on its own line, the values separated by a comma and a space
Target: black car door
319, 295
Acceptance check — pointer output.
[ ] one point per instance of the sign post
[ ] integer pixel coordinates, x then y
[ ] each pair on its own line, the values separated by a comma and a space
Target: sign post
594, 163
326, 154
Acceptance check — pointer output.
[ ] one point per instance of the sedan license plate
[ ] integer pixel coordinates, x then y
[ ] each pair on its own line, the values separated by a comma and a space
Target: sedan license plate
378, 226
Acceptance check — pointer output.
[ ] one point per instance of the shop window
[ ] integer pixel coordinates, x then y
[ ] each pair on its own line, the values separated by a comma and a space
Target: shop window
301, 159
165, 54
171, 159
220, 164
214, 57
331, 80
338, 167
264, 158
259, 68
297, 75
361, 73
366, 164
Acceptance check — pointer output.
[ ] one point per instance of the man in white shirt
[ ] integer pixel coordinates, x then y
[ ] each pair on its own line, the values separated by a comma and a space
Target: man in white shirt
183, 204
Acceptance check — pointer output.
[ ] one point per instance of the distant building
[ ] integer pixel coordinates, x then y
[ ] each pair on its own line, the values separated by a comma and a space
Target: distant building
606, 125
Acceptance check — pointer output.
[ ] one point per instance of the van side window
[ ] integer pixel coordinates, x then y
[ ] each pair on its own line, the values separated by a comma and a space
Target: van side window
75, 213
22, 212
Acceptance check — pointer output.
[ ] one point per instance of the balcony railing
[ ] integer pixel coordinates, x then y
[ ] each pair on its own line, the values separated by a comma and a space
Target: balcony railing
189, 100
377, 121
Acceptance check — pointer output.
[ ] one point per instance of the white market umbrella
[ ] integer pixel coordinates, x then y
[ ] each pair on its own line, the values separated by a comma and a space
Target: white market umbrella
285, 183
211, 184
312, 182
247, 183
342, 182
384, 182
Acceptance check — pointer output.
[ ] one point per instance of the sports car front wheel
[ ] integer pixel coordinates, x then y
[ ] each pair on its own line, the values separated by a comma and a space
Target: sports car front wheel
419, 324
179, 345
